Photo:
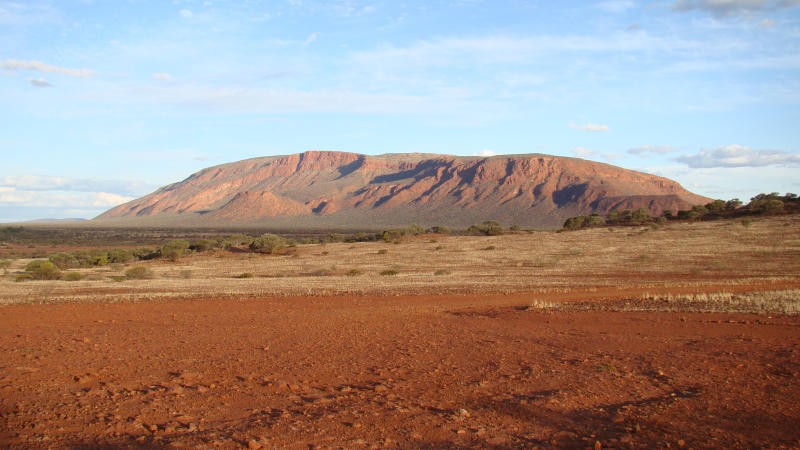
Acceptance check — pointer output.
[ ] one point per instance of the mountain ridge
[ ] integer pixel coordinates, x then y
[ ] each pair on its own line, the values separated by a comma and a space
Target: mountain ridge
318, 189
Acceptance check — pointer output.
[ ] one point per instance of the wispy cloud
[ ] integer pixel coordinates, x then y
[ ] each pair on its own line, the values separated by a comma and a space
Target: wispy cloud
186, 13
739, 156
590, 127
162, 76
616, 6
486, 153
38, 66
726, 8
39, 82
652, 149
51, 183
15, 198
584, 152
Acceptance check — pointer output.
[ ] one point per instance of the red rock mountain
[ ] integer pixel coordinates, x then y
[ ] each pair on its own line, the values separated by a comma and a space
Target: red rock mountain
321, 189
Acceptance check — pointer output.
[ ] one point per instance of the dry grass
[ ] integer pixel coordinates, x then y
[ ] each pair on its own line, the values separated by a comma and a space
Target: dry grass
723, 252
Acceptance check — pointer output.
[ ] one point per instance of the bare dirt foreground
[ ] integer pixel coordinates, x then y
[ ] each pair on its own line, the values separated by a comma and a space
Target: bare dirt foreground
480, 370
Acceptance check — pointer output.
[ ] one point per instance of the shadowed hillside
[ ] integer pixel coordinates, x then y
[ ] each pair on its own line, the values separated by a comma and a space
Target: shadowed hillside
335, 189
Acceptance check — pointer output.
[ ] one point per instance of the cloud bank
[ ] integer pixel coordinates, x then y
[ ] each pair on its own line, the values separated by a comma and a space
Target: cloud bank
727, 8
739, 156
38, 66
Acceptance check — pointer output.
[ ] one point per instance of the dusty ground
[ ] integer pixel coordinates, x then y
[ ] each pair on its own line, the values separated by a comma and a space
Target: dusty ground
421, 371
506, 355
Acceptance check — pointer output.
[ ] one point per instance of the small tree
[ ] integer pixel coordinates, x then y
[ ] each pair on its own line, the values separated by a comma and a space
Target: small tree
732, 204
268, 243
42, 270
641, 215
139, 273
174, 250
415, 230
64, 260
716, 205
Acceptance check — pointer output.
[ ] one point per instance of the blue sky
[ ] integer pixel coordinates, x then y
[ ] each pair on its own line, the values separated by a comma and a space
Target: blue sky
104, 101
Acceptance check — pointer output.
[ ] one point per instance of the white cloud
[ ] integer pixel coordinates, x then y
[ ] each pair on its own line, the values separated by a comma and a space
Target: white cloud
739, 156
766, 23
60, 198
584, 152
311, 38
16, 64
486, 153
186, 14
589, 127
652, 149
162, 76
727, 8
50, 183
39, 82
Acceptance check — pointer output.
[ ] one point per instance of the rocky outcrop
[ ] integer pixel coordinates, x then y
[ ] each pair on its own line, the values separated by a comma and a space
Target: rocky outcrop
319, 189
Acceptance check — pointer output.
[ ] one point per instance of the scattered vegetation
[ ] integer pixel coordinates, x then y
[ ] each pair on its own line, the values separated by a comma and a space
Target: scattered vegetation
174, 249
245, 275
270, 243
354, 273
761, 204
488, 228
43, 270
389, 272
139, 273
383, 251
74, 276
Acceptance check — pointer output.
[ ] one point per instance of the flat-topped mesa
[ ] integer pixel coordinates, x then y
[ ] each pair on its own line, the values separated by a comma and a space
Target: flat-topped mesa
319, 189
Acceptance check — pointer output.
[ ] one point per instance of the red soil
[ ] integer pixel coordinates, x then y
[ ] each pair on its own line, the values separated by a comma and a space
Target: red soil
410, 372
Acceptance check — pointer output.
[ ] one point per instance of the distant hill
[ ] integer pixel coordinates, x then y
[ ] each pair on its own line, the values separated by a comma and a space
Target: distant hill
323, 189
54, 220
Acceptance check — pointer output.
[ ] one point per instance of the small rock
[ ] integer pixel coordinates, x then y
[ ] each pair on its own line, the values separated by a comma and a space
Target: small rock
463, 412
253, 444
461, 432
381, 388
597, 445
681, 443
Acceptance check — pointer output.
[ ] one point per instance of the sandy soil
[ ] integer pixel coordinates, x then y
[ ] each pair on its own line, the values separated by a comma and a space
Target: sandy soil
395, 371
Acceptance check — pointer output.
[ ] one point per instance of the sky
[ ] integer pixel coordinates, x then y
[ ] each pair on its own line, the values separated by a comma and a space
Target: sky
102, 101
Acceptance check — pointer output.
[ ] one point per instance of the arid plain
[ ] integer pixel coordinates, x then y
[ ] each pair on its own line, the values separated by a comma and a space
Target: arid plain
682, 335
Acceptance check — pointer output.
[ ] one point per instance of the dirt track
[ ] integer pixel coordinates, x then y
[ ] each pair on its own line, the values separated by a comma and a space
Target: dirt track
393, 371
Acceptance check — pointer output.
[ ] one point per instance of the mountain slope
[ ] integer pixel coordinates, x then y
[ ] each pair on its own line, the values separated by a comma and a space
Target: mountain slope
335, 189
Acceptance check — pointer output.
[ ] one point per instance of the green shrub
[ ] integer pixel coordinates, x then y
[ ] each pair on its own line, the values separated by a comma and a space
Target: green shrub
174, 249
441, 272
120, 256
144, 253
23, 277
488, 228
64, 260
74, 276
439, 229
746, 222
139, 273
202, 245
491, 247
515, 228
268, 243
389, 272
353, 272
415, 230
42, 270
235, 240
244, 275
383, 251
394, 234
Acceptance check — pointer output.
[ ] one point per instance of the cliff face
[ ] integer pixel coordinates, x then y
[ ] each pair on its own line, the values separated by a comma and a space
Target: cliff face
334, 189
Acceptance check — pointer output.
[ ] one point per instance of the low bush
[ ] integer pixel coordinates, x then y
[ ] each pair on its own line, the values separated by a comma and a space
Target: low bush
269, 243
488, 228
441, 272
139, 273
383, 251
389, 272
74, 276
174, 249
43, 270
439, 229
353, 273
244, 275
64, 261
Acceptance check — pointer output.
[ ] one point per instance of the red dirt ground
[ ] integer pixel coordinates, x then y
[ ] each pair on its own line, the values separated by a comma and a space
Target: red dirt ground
409, 372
